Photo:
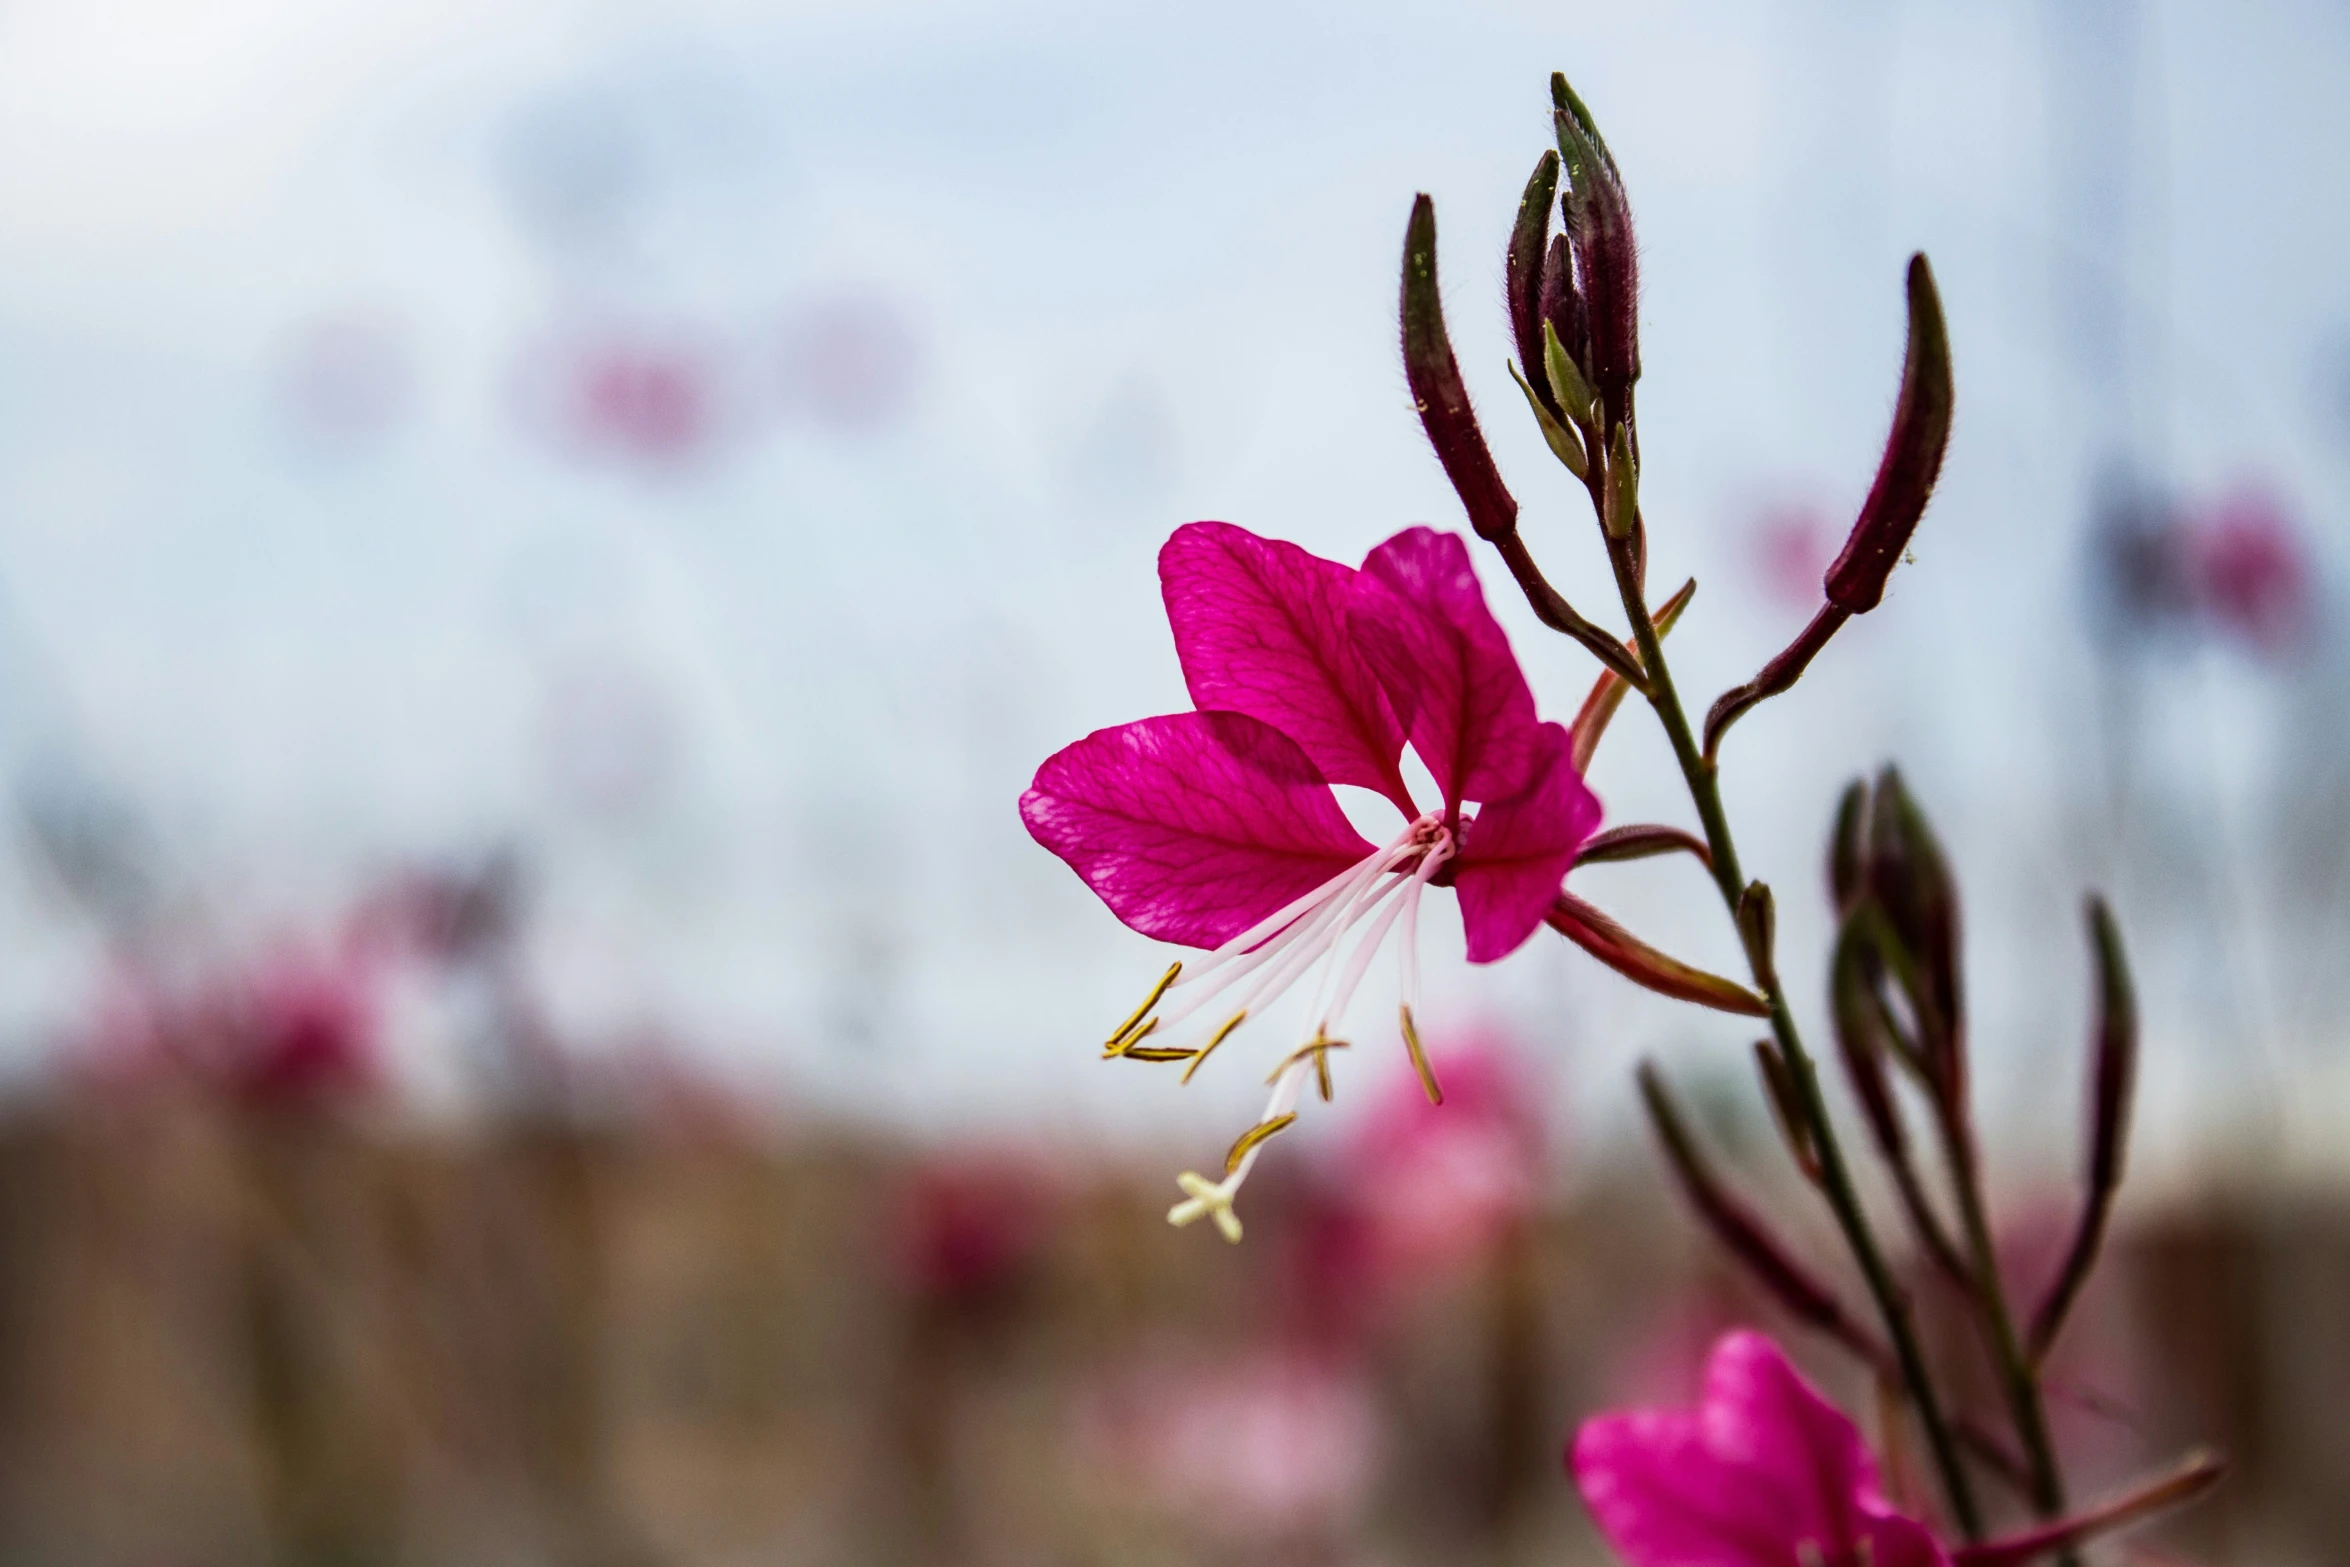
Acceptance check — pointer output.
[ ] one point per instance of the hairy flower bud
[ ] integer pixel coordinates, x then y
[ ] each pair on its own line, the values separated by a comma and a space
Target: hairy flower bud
1522, 273
1912, 460
1437, 390
1599, 227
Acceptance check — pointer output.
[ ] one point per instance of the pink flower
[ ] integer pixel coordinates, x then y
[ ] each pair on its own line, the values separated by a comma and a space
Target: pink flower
1456, 1177
964, 1228
1218, 828
1765, 1473
1276, 1439
2251, 572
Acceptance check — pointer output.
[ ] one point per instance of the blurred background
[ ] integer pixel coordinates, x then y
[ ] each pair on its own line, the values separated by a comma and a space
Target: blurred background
541, 542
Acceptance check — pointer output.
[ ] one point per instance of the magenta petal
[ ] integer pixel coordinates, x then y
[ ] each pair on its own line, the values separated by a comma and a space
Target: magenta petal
1765, 1466
1761, 1412
1191, 827
1663, 1500
1261, 627
1517, 851
1422, 624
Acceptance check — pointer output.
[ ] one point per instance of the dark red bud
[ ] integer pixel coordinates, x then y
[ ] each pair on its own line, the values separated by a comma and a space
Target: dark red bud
1561, 306
1599, 934
1860, 1036
1863, 1040
1912, 883
1437, 390
1608, 277
2112, 1084
1912, 460
2117, 1051
1758, 931
1599, 225
1522, 274
1848, 847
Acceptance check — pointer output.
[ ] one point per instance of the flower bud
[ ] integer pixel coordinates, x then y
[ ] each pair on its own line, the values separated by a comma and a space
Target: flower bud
1522, 273
1758, 931
1848, 847
2111, 1086
1860, 1035
1913, 886
2117, 1052
1599, 935
1599, 227
1437, 391
1913, 456
1562, 307
1864, 1039
1622, 504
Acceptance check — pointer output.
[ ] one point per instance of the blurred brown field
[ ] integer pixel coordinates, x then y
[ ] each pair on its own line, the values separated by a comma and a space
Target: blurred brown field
233, 1332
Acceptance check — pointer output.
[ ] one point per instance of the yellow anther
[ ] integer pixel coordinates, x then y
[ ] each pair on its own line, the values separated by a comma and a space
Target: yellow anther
1126, 1034
1206, 1199
1215, 1039
1155, 1053
1411, 1042
1319, 1047
1113, 1051
1253, 1136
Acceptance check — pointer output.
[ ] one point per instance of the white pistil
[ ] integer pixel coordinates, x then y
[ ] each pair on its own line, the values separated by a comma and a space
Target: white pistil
1206, 1199
1308, 931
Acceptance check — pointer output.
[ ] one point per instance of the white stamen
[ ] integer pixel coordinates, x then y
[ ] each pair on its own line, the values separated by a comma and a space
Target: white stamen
1365, 950
1357, 910
1304, 936
1409, 955
1272, 924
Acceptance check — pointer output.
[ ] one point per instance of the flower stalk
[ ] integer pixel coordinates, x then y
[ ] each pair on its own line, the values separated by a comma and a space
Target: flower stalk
1892, 1300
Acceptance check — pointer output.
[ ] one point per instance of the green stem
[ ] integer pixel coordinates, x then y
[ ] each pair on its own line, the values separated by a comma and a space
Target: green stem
2016, 1373
1836, 1176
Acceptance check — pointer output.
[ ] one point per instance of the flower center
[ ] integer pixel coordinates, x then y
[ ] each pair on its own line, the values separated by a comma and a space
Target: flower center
1263, 963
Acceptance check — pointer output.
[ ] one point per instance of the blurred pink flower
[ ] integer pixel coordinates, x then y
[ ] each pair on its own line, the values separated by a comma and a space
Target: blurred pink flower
298, 1030
1793, 545
962, 1228
1219, 828
1281, 1441
312, 1033
1437, 1184
1764, 1473
650, 405
652, 397
2250, 571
